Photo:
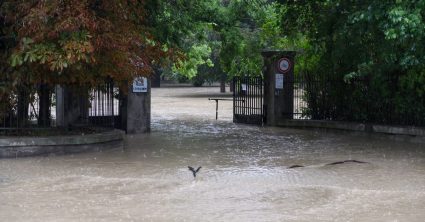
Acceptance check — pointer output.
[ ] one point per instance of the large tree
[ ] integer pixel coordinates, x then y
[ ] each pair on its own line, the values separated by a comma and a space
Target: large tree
79, 41
74, 43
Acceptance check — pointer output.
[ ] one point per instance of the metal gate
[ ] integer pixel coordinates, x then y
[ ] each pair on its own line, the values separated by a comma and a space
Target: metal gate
248, 100
105, 102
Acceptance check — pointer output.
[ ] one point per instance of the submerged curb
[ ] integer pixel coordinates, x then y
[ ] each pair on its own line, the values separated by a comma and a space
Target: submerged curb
12, 147
418, 133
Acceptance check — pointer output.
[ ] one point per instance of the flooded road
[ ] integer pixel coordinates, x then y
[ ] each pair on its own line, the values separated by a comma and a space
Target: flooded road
244, 175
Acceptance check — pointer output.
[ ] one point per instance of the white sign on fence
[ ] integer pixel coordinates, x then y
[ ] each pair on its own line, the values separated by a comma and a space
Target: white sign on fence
279, 81
140, 84
243, 87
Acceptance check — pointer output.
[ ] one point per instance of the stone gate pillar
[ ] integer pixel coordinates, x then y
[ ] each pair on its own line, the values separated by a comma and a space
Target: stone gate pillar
278, 74
138, 104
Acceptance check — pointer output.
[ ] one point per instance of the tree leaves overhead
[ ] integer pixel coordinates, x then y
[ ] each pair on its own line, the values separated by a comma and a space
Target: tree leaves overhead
80, 41
379, 43
83, 41
232, 29
385, 36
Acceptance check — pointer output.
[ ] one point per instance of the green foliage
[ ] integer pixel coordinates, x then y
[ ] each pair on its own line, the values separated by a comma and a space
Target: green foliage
77, 42
247, 28
411, 96
197, 56
377, 43
183, 26
70, 49
236, 31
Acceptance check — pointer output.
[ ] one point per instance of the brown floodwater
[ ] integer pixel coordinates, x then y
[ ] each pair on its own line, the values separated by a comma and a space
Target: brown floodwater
244, 175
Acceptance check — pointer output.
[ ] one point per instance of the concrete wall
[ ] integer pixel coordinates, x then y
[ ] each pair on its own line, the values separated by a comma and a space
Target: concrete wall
402, 133
12, 147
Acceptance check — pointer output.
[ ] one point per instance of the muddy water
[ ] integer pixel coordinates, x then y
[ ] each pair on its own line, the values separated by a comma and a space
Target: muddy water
244, 175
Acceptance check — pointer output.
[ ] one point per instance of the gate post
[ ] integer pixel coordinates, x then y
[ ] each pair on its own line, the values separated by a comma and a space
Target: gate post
138, 107
278, 75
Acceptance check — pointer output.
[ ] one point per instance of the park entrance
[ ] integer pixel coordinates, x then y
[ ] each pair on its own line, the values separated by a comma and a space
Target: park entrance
269, 98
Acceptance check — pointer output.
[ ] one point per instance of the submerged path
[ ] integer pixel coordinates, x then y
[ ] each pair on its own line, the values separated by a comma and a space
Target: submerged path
244, 175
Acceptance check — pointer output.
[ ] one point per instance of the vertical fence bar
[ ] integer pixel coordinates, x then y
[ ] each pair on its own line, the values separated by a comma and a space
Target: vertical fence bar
234, 98
259, 106
99, 93
263, 114
257, 103
112, 103
245, 96
248, 91
102, 93
248, 104
254, 98
235, 93
296, 99
238, 90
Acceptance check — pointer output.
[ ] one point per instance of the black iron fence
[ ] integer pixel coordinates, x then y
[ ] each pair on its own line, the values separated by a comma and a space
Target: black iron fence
26, 108
379, 100
103, 108
248, 100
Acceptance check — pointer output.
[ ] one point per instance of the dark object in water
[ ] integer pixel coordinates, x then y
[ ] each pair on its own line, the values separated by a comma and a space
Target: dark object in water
295, 166
194, 171
334, 163
345, 161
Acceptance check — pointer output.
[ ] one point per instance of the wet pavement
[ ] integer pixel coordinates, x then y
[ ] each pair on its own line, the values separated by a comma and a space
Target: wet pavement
244, 175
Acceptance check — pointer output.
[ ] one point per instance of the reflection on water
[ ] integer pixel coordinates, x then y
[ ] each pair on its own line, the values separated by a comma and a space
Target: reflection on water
244, 175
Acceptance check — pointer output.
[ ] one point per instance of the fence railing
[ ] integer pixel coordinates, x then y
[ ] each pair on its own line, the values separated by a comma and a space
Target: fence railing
357, 100
35, 107
248, 99
103, 107
26, 107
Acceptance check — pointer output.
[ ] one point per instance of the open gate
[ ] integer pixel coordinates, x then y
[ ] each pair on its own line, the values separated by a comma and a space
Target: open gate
248, 100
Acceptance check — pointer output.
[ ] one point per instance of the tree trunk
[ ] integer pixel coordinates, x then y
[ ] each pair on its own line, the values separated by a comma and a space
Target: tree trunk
123, 110
44, 105
223, 83
23, 103
232, 86
156, 77
72, 105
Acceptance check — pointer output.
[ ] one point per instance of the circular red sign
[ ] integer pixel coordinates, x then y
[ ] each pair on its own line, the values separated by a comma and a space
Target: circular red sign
284, 65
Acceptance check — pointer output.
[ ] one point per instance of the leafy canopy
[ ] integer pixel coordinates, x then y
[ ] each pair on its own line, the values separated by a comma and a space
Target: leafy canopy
79, 41
376, 43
